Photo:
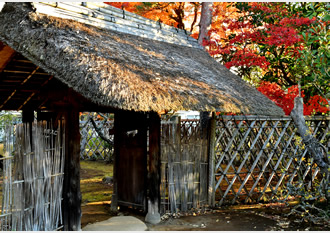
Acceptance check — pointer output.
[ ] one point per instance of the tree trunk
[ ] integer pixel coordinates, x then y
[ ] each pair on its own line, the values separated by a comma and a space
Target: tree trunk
315, 148
205, 22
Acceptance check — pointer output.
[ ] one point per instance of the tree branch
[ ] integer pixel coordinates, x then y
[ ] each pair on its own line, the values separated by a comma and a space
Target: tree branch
314, 147
195, 16
100, 133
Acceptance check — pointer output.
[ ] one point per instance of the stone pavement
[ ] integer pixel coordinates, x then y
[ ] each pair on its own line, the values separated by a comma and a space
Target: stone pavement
118, 223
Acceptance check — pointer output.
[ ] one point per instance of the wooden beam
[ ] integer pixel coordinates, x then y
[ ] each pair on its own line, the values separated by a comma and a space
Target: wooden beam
22, 83
71, 206
6, 54
27, 100
28, 118
23, 72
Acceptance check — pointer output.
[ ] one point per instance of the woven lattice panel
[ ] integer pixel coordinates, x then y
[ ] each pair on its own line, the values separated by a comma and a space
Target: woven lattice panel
257, 156
92, 146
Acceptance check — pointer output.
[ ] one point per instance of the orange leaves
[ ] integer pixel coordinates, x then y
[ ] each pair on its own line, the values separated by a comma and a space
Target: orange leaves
184, 15
223, 14
128, 6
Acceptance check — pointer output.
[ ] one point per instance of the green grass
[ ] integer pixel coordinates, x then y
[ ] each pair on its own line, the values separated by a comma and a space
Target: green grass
97, 168
92, 188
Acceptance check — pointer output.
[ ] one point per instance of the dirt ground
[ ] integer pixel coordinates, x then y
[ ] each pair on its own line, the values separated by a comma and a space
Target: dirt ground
261, 217
234, 218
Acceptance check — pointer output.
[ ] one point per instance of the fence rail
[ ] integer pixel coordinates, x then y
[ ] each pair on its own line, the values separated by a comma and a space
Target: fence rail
255, 157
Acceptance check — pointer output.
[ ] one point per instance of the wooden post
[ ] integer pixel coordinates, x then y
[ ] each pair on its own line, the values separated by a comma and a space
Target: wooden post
28, 118
27, 115
114, 197
211, 152
71, 206
153, 215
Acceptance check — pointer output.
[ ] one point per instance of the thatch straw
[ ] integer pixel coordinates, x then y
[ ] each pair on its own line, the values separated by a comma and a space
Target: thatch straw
128, 72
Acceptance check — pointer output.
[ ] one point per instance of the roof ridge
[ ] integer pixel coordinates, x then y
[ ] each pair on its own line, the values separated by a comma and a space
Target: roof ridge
108, 17
127, 13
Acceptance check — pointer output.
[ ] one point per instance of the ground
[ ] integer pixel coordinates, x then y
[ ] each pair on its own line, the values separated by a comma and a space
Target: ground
92, 187
96, 198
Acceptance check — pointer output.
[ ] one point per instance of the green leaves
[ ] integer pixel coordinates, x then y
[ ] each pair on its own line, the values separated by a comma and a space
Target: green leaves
313, 64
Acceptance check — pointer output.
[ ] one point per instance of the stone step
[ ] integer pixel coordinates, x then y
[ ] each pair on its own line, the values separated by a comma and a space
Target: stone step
118, 223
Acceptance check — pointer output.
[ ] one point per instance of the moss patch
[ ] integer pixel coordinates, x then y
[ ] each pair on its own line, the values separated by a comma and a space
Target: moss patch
91, 185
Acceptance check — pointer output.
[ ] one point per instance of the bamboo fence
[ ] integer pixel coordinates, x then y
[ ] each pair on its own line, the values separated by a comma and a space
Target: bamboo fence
184, 166
257, 157
32, 178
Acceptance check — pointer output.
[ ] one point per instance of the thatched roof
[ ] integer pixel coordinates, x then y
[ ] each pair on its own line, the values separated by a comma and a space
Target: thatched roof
125, 71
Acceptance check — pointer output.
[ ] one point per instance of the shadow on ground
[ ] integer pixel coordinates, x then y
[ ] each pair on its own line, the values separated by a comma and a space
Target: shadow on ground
235, 218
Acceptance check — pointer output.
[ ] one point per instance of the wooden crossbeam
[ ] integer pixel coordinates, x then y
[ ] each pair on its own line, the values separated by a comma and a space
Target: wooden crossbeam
22, 83
33, 93
23, 72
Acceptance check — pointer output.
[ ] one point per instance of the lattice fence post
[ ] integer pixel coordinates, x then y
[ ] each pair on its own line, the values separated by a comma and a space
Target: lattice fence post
211, 154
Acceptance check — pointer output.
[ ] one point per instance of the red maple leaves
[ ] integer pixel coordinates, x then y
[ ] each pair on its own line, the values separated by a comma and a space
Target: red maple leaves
285, 99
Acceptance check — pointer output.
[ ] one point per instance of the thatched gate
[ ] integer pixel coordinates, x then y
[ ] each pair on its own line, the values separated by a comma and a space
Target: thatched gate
32, 180
256, 157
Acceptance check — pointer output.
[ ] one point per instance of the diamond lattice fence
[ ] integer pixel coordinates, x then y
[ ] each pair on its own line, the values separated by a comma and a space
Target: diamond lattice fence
255, 157
92, 146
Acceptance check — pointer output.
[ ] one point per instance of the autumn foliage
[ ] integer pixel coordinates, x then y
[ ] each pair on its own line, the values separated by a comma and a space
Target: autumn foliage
262, 41
183, 15
260, 38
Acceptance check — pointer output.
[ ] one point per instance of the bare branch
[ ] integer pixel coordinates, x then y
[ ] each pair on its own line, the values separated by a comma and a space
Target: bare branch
100, 133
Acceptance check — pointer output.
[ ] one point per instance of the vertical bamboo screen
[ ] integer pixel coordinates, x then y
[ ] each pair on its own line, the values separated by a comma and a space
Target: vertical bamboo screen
32, 178
255, 157
184, 166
